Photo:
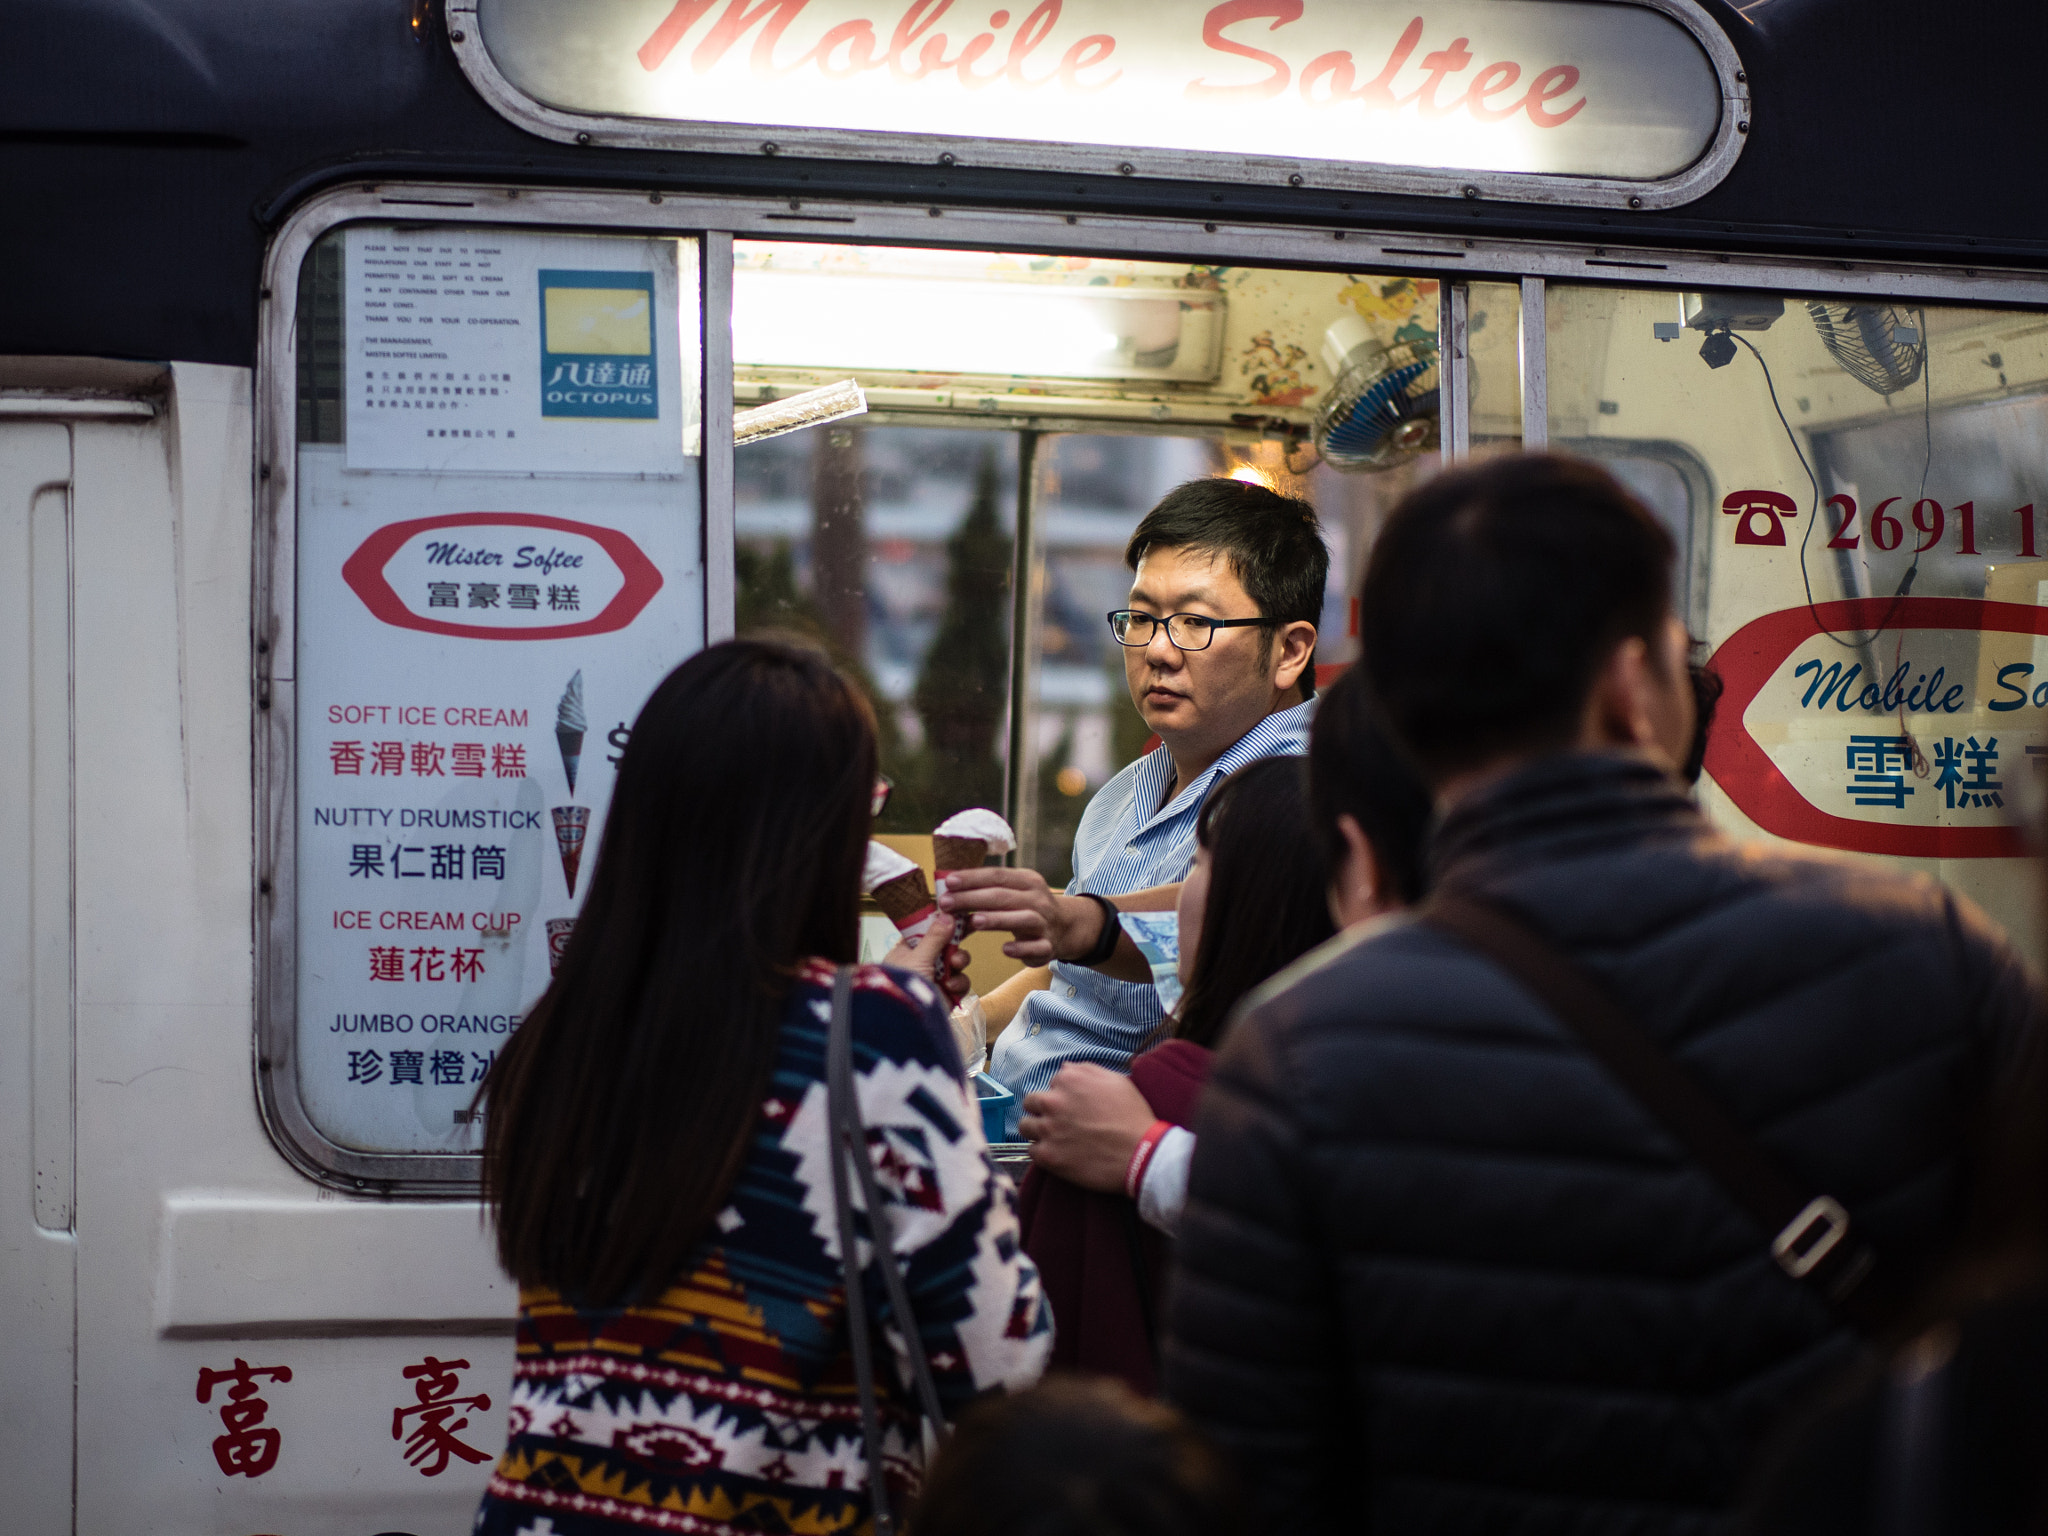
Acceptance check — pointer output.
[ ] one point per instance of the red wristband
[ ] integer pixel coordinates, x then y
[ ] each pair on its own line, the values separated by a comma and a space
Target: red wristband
1141, 1156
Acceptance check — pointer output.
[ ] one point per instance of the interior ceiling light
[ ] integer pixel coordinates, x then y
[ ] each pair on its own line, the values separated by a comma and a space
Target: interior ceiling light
925, 325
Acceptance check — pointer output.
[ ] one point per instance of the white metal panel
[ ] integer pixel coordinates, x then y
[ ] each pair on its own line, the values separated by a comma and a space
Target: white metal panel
37, 1250
198, 1245
241, 1267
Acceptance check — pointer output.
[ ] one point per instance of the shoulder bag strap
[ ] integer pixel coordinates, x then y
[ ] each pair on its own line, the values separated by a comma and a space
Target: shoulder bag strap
850, 1145
838, 1098
1812, 1241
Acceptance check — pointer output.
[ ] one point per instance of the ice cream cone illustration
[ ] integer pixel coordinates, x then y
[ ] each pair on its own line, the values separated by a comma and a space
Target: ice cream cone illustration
570, 725
558, 941
899, 889
571, 822
965, 840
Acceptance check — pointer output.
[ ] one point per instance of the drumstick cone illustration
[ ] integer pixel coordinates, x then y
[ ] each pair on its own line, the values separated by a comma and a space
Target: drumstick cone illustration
570, 725
571, 822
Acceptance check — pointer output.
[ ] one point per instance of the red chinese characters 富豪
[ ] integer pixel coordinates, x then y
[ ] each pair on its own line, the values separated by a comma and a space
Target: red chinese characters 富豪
432, 1439
249, 1448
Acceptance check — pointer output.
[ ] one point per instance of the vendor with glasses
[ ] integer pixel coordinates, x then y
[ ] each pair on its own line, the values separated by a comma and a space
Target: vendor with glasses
1219, 646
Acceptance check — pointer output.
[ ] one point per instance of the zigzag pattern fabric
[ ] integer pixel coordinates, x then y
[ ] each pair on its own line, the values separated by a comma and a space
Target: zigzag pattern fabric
729, 1404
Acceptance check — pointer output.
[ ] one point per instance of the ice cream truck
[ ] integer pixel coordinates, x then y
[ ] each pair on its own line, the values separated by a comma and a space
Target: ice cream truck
391, 391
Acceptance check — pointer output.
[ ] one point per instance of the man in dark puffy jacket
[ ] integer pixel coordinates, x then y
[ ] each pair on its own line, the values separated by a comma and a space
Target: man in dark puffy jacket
1439, 1271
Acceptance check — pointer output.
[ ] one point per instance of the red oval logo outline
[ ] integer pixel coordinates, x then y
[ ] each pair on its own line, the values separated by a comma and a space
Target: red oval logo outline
364, 572
1747, 659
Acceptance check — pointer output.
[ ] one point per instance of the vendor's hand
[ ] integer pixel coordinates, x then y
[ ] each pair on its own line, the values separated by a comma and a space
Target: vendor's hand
1086, 1125
1044, 925
936, 958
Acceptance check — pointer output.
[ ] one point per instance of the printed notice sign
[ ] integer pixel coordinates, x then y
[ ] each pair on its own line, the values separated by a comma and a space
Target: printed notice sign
472, 651
490, 350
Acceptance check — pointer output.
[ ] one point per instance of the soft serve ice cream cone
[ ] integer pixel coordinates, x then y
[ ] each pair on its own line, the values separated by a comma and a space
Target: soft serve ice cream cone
570, 725
965, 840
899, 889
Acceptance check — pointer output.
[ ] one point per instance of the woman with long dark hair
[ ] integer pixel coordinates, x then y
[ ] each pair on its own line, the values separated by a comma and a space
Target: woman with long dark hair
656, 1143
1286, 853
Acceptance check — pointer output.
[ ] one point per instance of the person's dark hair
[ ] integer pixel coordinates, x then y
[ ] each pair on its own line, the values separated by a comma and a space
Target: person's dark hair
1356, 769
619, 1113
1493, 597
1267, 905
1707, 686
1272, 544
1076, 1456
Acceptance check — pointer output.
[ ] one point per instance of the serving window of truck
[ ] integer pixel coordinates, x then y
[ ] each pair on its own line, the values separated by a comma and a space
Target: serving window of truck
525, 448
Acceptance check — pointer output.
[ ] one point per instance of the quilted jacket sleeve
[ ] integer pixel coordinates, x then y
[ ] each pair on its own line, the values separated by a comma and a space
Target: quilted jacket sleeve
1254, 1352
2005, 996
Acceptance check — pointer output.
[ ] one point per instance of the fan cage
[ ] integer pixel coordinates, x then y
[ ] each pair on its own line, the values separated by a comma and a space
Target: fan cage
1356, 425
1864, 339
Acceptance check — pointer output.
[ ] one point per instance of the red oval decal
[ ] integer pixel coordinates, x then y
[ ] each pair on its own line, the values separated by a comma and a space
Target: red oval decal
1748, 659
521, 584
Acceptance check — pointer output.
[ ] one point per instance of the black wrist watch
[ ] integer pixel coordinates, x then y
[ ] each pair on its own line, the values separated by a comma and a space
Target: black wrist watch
1112, 932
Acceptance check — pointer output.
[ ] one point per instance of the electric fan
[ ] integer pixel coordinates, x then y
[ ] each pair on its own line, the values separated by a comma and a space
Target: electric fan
1381, 409
1874, 344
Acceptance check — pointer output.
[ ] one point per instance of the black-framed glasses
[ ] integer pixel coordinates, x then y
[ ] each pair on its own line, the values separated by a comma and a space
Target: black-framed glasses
1188, 631
878, 801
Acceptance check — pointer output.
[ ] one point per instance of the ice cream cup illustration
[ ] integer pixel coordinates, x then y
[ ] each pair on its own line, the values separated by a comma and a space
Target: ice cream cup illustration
570, 725
571, 822
558, 941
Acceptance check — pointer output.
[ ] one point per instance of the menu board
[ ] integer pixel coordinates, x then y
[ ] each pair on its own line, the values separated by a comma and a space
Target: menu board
481, 616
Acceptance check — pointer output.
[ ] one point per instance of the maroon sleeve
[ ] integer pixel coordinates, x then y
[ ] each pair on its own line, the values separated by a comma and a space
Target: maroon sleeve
1170, 1076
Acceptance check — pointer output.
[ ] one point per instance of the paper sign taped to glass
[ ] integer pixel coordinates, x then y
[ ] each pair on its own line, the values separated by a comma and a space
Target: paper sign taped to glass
518, 353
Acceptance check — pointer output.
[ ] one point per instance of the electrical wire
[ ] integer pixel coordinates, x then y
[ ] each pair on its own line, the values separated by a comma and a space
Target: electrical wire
1905, 586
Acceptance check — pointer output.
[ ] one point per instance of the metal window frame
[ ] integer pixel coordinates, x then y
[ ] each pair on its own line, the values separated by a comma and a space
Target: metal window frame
715, 221
618, 131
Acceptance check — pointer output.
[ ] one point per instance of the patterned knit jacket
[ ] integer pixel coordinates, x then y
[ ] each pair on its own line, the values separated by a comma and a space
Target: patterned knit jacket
729, 1403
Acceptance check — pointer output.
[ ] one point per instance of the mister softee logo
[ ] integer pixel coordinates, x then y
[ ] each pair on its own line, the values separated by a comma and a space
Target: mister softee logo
597, 345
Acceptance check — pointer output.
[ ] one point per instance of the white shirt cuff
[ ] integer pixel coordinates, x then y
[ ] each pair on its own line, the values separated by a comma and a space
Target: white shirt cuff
1164, 1190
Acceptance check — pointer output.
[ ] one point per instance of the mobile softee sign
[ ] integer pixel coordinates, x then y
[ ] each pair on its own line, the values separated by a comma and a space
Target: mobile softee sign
1537, 87
1902, 726
494, 571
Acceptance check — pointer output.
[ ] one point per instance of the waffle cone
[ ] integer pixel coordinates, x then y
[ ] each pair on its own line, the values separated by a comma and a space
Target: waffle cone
904, 896
958, 852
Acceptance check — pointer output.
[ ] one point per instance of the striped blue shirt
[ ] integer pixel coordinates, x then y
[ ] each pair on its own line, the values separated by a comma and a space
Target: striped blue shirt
1126, 842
